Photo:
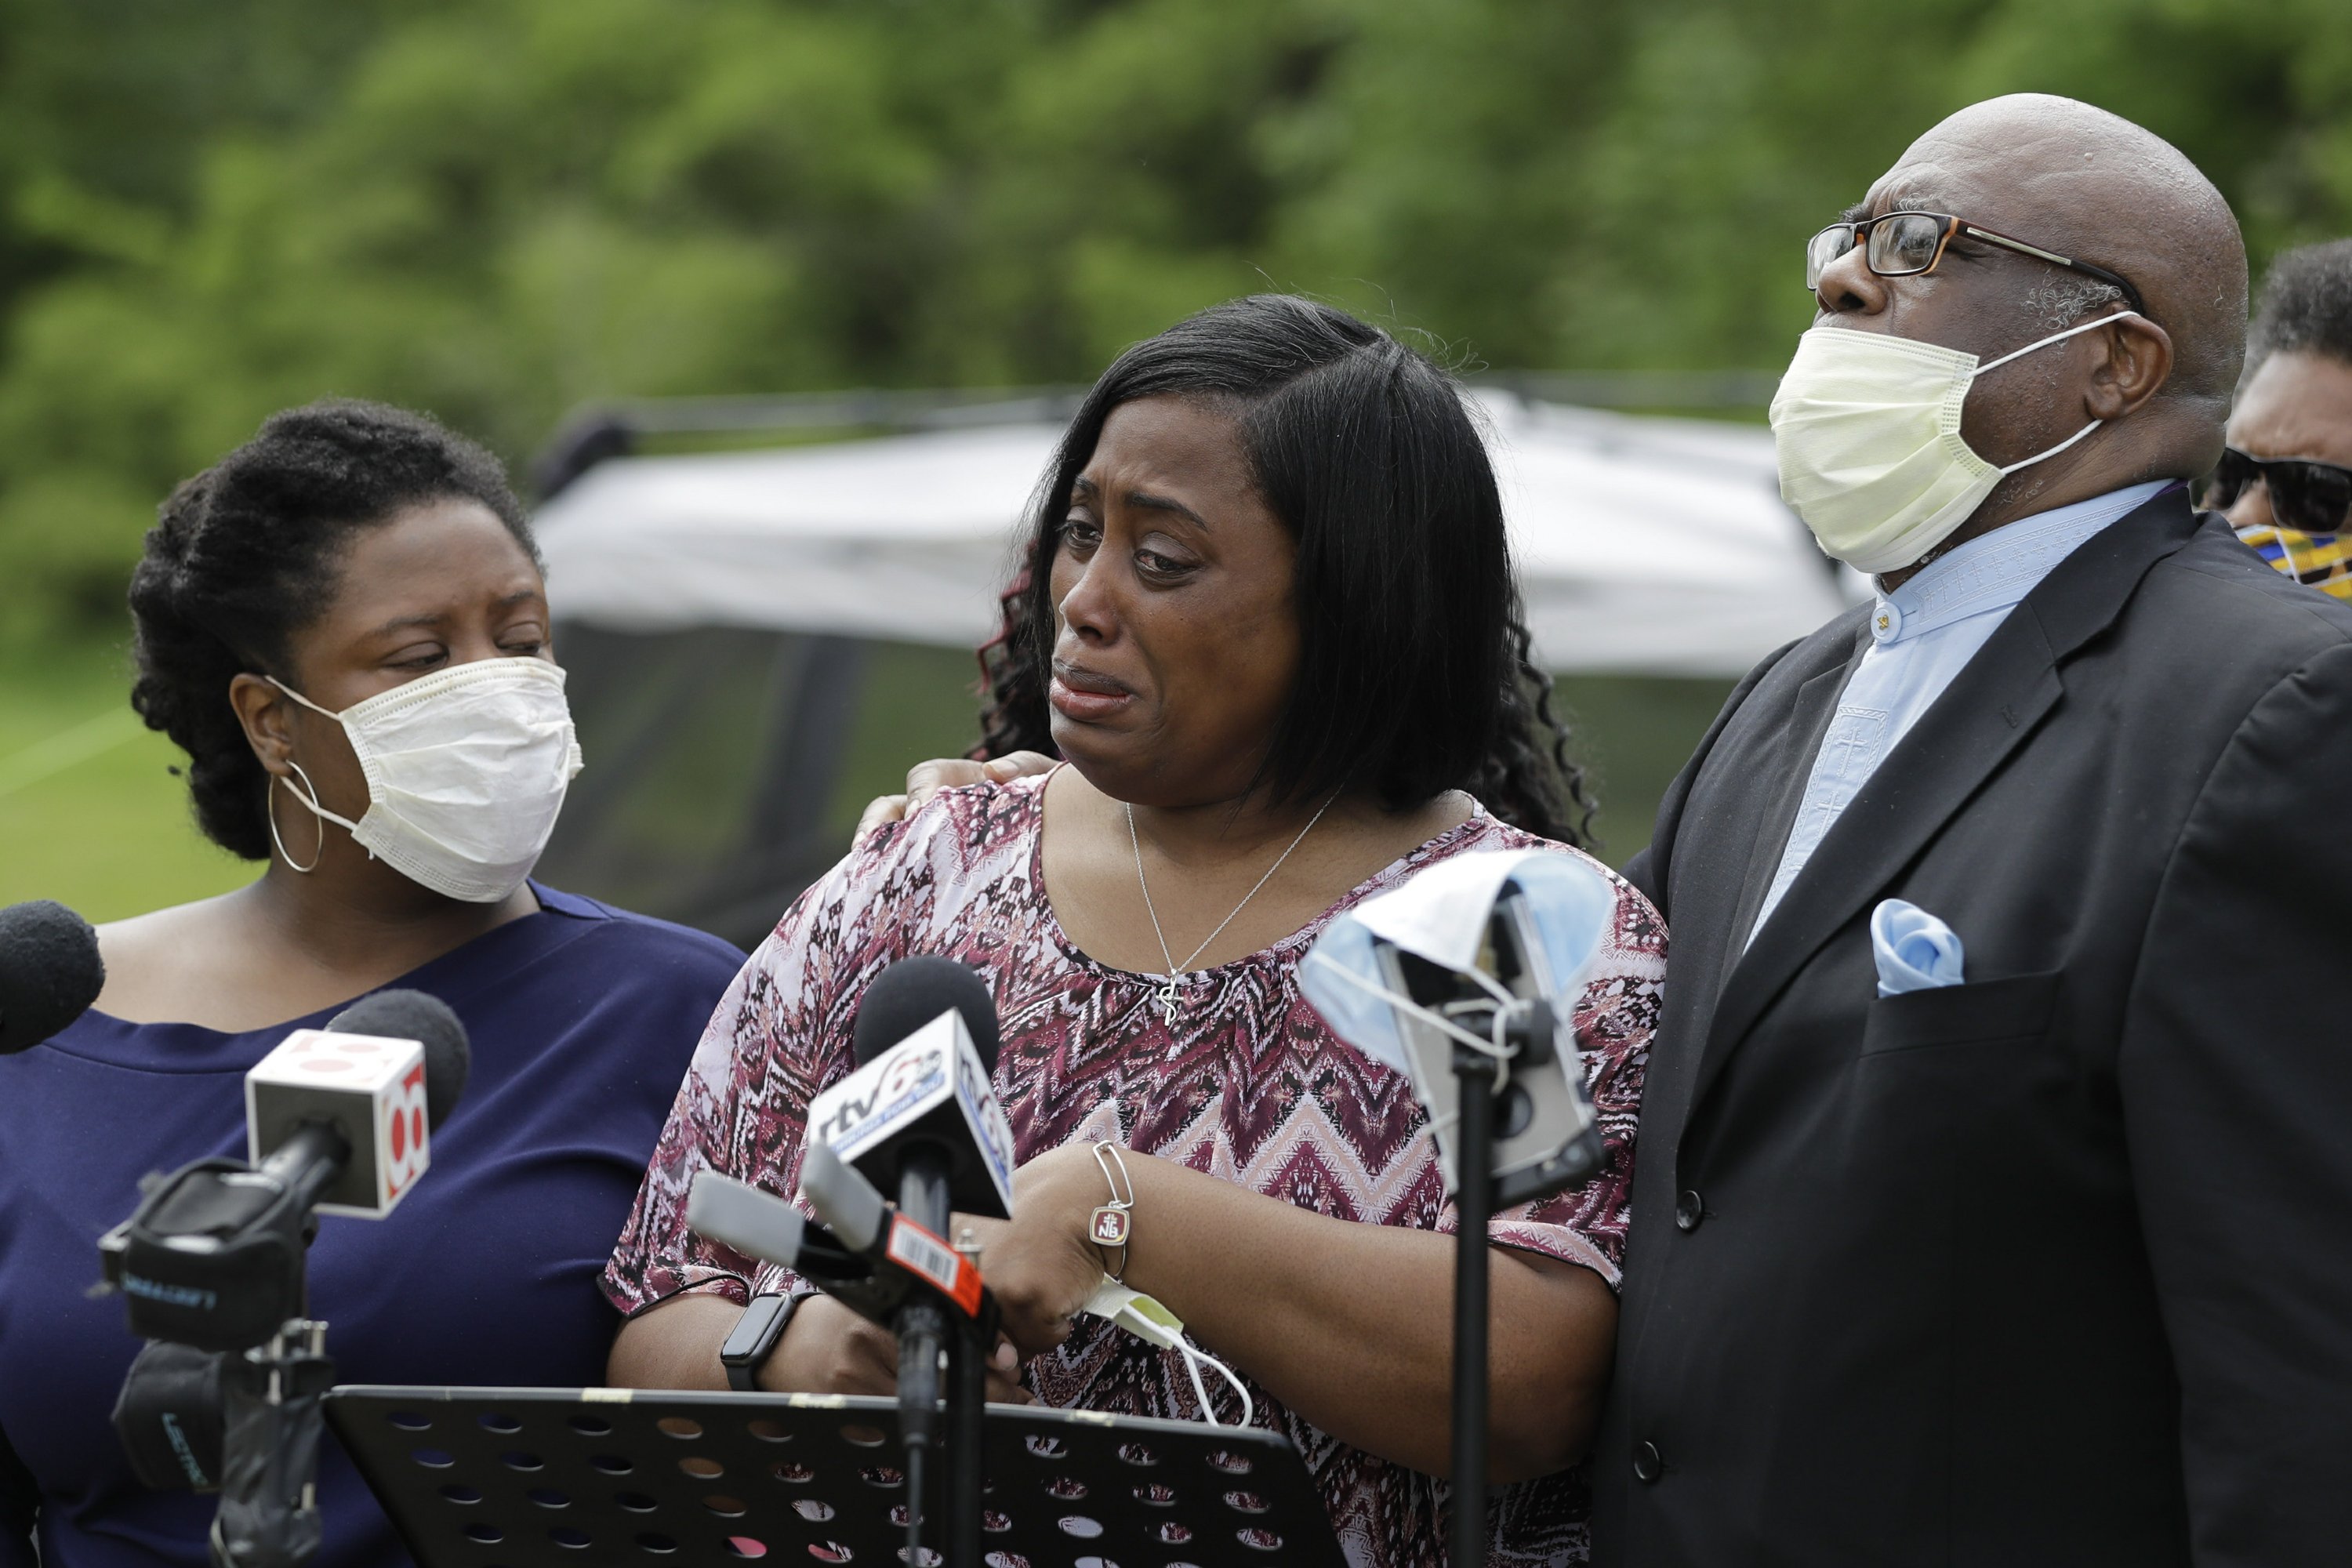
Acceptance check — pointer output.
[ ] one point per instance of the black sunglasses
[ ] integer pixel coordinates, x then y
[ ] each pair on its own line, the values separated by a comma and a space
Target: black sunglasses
2308, 497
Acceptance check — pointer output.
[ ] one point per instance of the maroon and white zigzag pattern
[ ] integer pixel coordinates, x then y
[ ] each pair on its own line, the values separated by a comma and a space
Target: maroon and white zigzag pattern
1249, 1086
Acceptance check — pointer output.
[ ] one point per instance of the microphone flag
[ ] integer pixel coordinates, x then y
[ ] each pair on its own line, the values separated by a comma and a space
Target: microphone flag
370, 1088
933, 1086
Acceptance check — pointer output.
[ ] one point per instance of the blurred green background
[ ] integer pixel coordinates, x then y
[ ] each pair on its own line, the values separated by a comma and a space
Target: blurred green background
498, 209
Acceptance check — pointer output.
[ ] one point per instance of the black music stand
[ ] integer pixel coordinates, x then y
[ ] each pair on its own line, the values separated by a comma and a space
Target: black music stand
511, 1477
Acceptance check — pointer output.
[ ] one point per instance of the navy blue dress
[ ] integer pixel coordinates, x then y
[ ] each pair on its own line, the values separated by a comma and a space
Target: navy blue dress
581, 1017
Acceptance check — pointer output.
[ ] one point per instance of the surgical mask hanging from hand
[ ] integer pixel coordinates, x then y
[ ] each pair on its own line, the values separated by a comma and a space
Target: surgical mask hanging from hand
1867, 428
467, 769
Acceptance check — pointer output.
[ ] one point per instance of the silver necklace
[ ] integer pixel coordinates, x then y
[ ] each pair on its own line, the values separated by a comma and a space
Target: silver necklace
1171, 984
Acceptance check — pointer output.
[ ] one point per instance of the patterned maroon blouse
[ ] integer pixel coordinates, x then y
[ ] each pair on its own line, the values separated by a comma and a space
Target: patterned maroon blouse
1249, 1086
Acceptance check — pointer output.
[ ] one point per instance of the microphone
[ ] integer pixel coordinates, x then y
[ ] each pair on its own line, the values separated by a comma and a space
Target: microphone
50, 972
1487, 953
1466, 975
213, 1257
919, 1117
921, 1101
347, 1111
862, 1251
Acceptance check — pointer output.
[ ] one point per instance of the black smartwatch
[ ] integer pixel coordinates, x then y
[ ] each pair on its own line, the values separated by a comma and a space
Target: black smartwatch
753, 1340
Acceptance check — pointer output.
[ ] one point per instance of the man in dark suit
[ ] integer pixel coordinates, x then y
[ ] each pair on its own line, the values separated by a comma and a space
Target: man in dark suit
2050, 1263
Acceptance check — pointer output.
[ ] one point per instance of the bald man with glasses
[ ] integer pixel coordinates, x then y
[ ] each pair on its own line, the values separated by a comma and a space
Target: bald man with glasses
1995, 1200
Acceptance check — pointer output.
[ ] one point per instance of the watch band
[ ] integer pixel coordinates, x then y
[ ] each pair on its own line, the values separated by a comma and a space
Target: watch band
753, 1339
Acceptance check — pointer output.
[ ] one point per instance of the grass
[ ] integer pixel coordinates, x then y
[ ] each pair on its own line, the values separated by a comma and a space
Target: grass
91, 814
1632, 734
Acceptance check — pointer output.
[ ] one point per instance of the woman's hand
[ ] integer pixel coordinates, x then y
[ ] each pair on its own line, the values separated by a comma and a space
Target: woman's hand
925, 780
1040, 1265
829, 1349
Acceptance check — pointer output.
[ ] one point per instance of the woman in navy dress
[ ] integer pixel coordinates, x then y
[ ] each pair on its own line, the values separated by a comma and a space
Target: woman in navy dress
344, 625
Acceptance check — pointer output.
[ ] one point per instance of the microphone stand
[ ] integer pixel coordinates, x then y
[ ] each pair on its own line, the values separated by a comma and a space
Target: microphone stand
966, 1478
269, 1512
924, 1333
1473, 1202
267, 1516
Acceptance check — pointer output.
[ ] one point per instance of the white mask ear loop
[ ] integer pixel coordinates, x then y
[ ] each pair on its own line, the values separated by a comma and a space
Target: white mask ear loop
1193, 1357
311, 798
2090, 326
269, 809
311, 802
1491, 1047
314, 707
2045, 342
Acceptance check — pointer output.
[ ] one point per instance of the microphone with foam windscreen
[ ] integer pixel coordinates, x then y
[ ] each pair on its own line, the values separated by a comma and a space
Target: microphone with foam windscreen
920, 1118
347, 1111
50, 972
921, 1102
337, 1119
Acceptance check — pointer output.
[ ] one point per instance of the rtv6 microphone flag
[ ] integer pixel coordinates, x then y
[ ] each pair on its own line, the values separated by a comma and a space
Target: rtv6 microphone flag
930, 1088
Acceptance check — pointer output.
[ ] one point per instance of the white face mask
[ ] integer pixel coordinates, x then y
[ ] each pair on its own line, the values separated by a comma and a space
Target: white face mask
1441, 914
1868, 430
465, 772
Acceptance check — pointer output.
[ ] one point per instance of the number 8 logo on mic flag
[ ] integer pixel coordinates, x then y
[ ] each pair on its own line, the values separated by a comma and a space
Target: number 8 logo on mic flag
403, 1137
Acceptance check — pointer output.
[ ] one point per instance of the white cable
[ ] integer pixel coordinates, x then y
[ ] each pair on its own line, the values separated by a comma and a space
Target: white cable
1193, 1356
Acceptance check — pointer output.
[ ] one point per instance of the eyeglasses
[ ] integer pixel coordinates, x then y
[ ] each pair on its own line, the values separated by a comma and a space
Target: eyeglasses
2308, 497
1908, 244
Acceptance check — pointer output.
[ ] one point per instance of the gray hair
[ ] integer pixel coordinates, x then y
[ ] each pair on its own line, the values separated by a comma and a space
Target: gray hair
2066, 298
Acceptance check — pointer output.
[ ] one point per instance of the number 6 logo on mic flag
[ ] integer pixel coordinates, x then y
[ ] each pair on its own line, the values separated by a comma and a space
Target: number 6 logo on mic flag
404, 1135
371, 1087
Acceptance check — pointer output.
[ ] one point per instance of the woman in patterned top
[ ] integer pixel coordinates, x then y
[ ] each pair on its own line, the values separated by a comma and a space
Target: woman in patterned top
1269, 622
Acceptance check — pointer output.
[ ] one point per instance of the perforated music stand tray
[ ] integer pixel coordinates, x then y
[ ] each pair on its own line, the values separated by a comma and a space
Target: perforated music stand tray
515, 1478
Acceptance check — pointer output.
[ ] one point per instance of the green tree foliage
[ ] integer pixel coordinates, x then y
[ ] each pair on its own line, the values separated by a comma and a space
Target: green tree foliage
500, 208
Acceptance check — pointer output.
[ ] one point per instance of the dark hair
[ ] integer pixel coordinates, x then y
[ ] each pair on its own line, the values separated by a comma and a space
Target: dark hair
245, 554
2305, 305
1415, 673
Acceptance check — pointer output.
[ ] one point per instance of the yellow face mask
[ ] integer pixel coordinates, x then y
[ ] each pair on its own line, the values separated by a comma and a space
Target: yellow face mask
2322, 561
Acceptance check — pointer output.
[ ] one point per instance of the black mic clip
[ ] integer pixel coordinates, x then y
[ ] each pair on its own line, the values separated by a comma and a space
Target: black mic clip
871, 1258
213, 1257
1528, 1031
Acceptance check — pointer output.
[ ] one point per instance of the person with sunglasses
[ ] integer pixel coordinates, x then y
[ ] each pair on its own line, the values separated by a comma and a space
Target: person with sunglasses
1994, 1179
2286, 478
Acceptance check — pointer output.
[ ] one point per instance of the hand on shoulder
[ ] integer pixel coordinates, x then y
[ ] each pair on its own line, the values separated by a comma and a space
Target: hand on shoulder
925, 780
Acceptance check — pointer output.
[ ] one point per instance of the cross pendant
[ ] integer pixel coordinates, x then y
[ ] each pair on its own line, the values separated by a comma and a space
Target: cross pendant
1170, 998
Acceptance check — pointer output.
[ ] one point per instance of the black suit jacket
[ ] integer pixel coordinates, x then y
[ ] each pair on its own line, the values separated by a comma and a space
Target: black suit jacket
2053, 1266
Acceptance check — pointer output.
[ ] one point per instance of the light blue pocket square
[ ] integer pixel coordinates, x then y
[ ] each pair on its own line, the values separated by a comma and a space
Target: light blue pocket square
1914, 949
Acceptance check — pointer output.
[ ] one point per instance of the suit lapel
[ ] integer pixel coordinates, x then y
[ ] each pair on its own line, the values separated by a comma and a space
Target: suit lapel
1996, 701
1808, 722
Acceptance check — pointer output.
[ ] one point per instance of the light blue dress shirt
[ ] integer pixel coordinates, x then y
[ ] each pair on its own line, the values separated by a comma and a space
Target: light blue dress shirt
1921, 636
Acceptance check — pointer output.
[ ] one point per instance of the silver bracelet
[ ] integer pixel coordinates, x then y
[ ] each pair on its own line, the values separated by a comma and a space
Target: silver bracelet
1113, 1223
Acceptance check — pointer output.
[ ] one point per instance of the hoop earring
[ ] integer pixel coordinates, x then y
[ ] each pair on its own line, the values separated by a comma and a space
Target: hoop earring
270, 811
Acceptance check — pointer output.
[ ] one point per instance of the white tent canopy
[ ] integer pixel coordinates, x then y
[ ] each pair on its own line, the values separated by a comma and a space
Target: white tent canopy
1644, 545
